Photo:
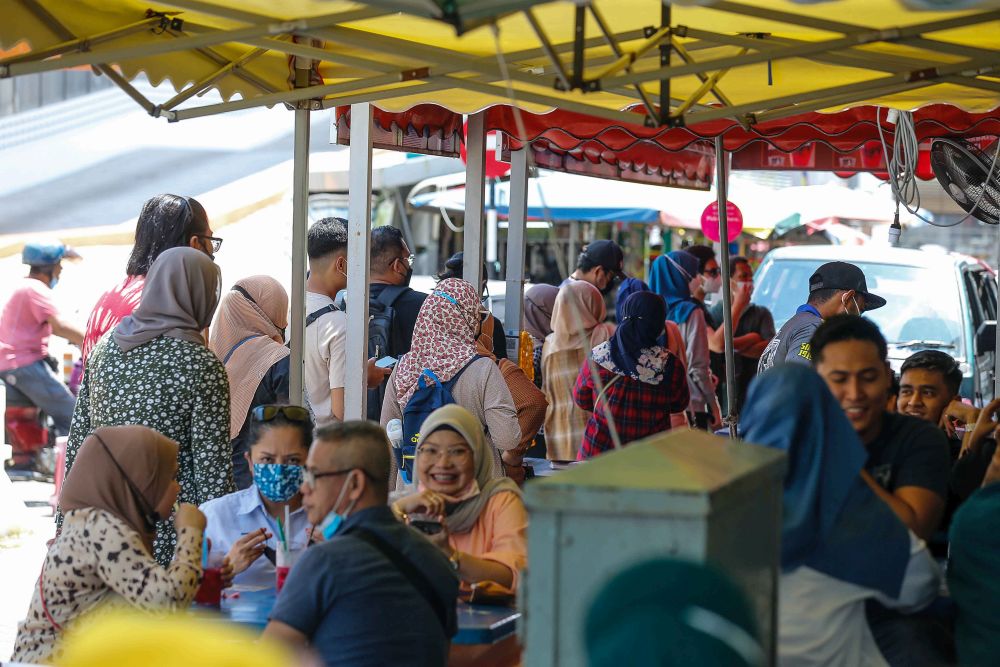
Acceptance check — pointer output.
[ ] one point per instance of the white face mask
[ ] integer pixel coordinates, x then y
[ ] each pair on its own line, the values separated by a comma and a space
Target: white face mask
847, 310
713, 285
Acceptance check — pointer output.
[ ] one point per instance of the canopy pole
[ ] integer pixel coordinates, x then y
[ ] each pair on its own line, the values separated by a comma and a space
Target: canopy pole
721, 188
996, 350
517, 220
300, 224
359, 237
475, 182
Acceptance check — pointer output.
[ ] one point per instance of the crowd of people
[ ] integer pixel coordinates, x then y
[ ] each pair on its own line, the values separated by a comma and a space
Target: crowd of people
185, 447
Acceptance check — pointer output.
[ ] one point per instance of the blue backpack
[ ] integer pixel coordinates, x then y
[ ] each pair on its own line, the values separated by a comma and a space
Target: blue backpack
430, 395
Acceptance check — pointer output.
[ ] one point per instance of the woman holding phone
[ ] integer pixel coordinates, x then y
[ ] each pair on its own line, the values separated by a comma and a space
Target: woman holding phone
476, 519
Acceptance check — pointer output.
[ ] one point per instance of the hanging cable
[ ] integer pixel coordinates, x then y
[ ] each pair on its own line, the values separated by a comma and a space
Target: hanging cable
901, 166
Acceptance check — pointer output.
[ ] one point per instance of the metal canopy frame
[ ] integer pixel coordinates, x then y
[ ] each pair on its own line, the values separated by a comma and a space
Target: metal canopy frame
551, 74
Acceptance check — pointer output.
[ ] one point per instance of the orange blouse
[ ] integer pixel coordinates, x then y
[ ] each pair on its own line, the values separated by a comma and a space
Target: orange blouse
498, 535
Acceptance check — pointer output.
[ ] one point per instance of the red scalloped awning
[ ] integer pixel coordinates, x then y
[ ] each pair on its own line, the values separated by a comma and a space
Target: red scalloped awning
845, 142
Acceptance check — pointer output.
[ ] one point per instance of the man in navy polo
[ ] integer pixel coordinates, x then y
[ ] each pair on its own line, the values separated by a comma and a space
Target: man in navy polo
835, 288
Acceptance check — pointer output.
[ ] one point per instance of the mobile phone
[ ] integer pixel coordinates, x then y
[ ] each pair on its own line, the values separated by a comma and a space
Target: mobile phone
427, 527
386, 362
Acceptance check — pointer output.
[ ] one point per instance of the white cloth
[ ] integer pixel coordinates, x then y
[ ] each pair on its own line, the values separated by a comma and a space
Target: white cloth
821, 620
232, 516
325, 355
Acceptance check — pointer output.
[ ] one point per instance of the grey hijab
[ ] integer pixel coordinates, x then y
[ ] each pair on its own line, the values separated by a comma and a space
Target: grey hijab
178, 300
463, 516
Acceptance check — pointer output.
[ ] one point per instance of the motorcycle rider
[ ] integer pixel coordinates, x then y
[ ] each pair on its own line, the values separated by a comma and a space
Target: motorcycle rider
29, 318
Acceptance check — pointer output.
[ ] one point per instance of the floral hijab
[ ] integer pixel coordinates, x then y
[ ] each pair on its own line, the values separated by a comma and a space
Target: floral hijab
444, 337
633, 350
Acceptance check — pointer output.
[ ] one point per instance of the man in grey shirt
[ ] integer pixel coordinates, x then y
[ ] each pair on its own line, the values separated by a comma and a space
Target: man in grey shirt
835, 288
375, 592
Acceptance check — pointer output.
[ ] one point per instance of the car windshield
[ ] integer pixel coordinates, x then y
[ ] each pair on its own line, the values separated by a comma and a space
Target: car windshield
922, 308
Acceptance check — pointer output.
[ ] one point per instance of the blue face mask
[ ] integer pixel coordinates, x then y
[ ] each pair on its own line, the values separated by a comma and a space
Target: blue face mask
53, 283
277, 482
334, 520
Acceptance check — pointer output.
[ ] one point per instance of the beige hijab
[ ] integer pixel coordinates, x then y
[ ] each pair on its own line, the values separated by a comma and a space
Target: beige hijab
245, 337
463, 516
179, 298
577, 319
127, 474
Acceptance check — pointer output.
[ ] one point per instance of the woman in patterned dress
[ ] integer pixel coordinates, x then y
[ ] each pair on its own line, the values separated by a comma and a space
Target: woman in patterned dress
123, 484
155, 370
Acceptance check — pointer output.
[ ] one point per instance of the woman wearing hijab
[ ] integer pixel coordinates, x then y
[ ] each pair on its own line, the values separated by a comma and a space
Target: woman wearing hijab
671, 613
155, 370
248, 337
538, 303
124, 485
444, 342
577, 328
674, 276
640, 382
840, 543
482, 518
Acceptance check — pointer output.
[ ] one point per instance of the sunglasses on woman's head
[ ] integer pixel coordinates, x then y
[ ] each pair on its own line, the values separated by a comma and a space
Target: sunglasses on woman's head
266, 413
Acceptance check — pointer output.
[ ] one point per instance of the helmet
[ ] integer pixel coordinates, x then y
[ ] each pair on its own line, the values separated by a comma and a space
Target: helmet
46, 254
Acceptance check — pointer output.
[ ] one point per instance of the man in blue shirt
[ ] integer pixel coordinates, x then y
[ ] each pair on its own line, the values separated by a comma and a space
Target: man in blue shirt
835, 288
376, 592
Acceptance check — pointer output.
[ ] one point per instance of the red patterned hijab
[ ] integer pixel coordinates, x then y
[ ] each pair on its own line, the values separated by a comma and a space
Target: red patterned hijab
444, 337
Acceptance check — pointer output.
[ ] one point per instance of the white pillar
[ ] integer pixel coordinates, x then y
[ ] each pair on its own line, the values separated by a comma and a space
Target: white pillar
359, 234
475, 180
300, 224
517, 222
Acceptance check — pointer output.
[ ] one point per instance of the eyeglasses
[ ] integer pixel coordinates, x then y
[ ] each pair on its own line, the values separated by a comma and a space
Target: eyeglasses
310, 477
453, 453
295, 413
712, 272
216, 241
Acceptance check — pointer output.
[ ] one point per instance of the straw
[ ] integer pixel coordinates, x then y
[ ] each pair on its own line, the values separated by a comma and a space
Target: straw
204, 551
288, 526
281, 535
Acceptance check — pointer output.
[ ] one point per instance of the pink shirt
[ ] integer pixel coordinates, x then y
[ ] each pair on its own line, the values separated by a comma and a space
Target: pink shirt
114, 305
24, 325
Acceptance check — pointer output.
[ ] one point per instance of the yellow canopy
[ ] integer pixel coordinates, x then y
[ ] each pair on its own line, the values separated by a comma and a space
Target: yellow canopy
746, 60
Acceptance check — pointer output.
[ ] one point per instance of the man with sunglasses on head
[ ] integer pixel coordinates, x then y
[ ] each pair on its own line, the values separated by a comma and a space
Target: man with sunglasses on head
375, 592
835, 288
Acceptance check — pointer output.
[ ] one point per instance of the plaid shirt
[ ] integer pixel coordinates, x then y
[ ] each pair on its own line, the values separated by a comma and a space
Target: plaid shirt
639, 409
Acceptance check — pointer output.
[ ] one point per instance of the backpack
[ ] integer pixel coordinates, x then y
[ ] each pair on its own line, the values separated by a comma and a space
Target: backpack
430, 395
380, 316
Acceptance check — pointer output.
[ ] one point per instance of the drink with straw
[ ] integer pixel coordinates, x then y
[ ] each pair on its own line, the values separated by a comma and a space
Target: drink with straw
210, 591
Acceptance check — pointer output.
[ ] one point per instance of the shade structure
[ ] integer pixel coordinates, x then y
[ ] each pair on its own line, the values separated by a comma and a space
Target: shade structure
681, 64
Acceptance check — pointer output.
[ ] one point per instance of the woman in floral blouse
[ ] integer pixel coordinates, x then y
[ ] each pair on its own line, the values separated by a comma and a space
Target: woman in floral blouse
122, 485
155, 370
641, 383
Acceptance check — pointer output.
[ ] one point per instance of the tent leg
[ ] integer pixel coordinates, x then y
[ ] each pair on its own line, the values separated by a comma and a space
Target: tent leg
300, 223
475, 181
996, 351
721, 185
517, 219
359, 236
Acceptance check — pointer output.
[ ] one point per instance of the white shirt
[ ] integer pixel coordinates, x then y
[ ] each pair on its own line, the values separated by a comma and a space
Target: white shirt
821, 620
232, 516
325, 355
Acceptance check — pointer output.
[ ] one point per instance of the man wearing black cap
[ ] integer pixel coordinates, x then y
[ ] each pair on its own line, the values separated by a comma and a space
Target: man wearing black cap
835, 288
600, 264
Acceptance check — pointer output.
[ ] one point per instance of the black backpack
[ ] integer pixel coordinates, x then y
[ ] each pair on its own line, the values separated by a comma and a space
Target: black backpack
380, 316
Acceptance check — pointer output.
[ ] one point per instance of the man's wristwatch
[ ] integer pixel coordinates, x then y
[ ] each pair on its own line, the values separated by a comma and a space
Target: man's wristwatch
453, 560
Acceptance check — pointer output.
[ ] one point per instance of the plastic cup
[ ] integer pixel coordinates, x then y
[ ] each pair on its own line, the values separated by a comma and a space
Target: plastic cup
283, 565
210, 591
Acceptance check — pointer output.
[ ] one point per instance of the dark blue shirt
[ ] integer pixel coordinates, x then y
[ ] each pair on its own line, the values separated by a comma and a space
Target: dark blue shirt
357, 609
